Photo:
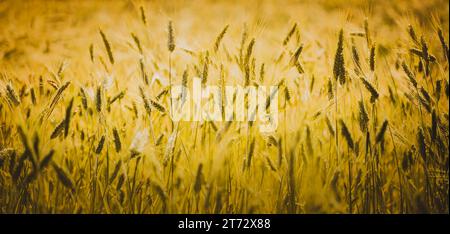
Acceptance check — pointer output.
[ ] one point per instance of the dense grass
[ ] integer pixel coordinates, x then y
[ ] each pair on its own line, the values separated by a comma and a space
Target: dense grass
84, 101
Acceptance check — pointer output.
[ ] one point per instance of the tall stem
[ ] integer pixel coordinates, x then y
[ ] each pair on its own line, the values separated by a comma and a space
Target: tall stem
350, 200
285, 127
170, 89
336, 121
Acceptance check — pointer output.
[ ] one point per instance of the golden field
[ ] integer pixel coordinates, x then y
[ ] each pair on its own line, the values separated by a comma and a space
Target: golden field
363, 107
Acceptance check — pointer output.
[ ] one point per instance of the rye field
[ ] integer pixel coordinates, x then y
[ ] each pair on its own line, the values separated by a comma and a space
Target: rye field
362, 106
